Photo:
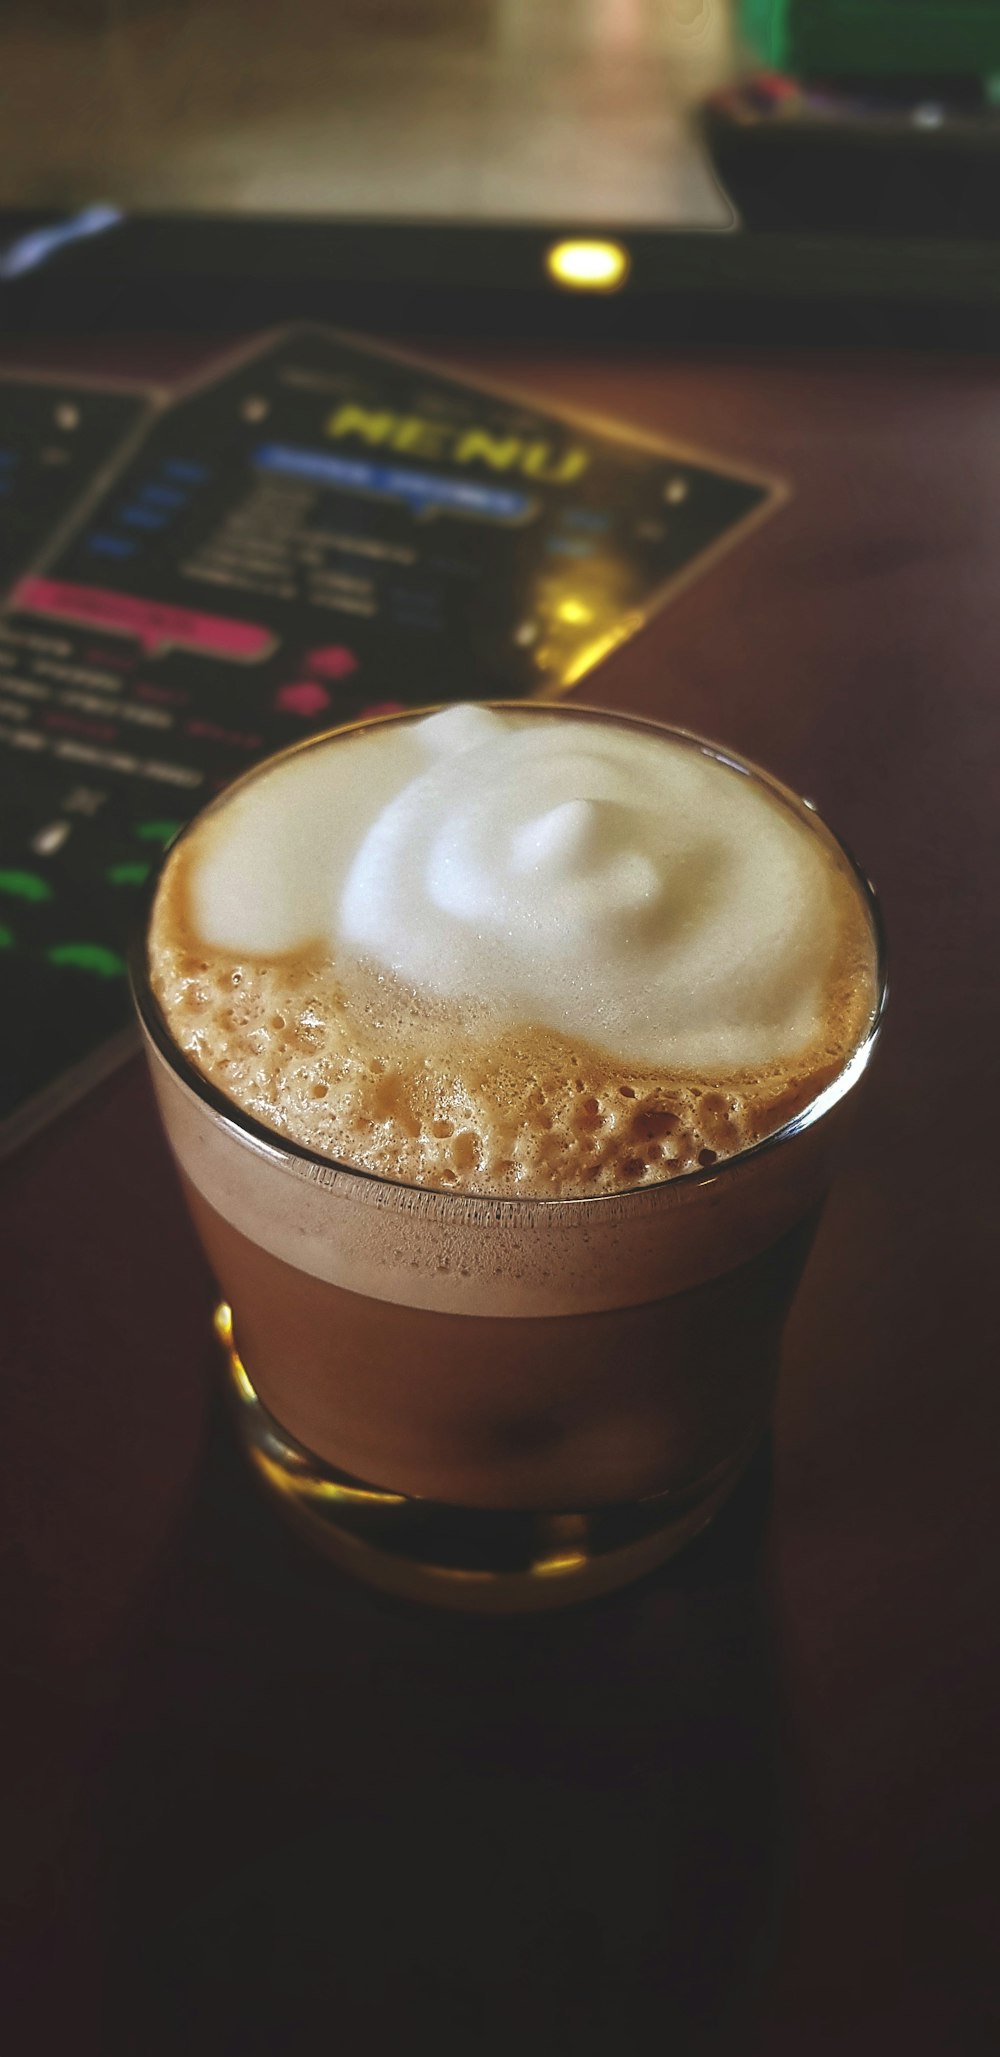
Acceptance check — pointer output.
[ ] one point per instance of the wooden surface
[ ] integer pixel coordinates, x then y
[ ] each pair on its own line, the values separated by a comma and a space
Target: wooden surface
749, 1805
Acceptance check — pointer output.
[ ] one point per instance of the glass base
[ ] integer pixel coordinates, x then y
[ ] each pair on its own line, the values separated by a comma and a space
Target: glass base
482, 1560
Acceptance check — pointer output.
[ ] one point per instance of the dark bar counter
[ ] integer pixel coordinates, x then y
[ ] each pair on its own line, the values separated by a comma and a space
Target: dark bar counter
750, 1804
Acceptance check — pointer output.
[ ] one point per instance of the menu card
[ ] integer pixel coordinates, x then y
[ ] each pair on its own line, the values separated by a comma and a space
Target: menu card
320, 531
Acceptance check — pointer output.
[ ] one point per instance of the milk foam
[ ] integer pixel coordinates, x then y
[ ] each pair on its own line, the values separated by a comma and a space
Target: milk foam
531, 954
600, 882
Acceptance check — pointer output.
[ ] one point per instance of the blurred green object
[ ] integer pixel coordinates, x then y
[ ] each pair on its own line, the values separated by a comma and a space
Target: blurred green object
874, 38
764, 26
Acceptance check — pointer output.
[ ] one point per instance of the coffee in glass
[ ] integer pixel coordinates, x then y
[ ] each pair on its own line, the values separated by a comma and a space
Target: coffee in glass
504, 1052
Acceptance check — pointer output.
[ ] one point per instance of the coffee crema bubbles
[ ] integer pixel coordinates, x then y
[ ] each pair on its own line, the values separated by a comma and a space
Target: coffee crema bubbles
516, 952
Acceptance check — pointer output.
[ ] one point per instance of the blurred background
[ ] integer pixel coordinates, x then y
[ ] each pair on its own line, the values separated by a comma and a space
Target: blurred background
676, 121
503, 109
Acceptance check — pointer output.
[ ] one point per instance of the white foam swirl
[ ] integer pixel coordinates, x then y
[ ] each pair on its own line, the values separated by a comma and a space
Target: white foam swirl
580, 876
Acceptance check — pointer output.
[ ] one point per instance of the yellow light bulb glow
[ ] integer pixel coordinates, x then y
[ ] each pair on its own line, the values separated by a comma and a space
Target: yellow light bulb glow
588, 267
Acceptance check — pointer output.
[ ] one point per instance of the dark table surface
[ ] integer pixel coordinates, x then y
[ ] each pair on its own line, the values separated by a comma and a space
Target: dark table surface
749, 1804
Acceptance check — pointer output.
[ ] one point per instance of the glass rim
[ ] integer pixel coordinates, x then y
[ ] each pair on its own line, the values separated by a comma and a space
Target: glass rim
264, 1140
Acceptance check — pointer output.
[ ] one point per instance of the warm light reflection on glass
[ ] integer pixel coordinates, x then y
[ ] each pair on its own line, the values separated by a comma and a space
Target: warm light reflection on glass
296, 1484
547, 1567
394, 1541
308, 1489
588, 267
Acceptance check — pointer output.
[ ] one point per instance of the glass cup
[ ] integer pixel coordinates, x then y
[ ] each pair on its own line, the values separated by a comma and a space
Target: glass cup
496, 1403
